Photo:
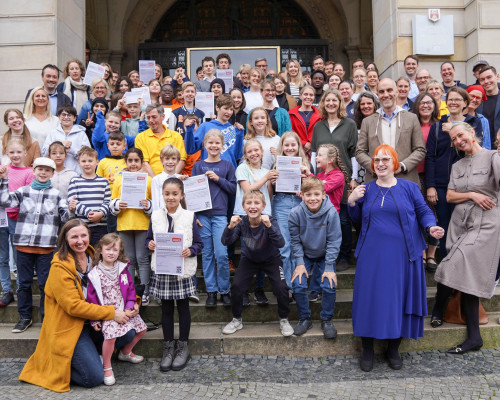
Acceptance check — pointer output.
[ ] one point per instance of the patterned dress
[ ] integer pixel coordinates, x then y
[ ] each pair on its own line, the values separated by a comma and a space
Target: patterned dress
112, 296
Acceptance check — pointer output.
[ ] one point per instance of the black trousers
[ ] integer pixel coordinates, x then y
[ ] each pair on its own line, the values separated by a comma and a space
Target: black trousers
244, 274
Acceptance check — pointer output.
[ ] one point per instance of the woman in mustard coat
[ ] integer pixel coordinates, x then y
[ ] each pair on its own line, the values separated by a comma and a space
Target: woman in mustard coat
65, 352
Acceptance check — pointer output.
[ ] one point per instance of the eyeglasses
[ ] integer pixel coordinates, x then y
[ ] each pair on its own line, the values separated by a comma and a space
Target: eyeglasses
426, 103
457, 100
472, 97
383, 160
269, 90
66, 115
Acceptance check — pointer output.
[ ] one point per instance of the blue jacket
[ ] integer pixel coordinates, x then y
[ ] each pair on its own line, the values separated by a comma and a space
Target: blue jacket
233, 140
441, 155
100, 138
413, 214
315, 236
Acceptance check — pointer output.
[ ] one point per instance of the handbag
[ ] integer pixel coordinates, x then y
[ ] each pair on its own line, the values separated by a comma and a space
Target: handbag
454, 314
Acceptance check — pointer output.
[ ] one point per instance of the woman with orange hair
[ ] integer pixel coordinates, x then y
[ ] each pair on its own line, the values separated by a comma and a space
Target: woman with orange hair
389, 300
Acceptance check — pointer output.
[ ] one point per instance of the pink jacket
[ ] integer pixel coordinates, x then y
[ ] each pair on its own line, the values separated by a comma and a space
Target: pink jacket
334, 186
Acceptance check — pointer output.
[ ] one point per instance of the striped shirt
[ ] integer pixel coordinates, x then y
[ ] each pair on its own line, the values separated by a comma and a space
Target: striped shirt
91, 195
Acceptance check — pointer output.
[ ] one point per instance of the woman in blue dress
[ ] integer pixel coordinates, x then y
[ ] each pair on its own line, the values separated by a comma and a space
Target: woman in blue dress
389, 300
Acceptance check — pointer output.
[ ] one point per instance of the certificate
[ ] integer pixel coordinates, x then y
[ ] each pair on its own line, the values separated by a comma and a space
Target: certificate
204, 101
93, 71
132, 97
227, 76
289, 174
134, 188
3, 218
144, 94
168, 254
146, 70
197, 193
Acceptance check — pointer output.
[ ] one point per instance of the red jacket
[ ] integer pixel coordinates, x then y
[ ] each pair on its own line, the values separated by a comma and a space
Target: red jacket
299, 126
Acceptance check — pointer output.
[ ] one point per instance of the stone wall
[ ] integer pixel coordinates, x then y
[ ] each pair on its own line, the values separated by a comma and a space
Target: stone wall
33, 34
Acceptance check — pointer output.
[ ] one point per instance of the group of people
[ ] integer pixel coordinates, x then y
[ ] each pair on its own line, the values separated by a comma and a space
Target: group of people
386, 157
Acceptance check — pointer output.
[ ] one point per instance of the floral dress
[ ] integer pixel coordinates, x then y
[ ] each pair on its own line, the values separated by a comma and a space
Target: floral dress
112, 296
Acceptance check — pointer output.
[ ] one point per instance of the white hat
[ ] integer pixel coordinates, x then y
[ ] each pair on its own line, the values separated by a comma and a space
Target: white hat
44, 162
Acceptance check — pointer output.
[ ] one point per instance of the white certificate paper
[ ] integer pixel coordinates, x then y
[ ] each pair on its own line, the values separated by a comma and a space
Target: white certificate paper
204, 101
93, 71
3, 218
132, 97
143, 93
197, 193
146, 70
289, 178
227, 76
134, 188
168, 254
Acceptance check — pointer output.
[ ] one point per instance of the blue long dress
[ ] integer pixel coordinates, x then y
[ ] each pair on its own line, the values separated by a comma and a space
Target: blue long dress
389, 299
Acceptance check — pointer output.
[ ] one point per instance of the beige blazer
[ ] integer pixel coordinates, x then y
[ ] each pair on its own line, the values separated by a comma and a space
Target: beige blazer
410, 144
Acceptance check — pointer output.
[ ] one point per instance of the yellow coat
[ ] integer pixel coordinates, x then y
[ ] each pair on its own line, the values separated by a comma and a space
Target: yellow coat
65, 313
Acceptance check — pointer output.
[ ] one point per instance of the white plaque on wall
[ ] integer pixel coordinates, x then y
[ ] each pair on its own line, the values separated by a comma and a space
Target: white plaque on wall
433, 38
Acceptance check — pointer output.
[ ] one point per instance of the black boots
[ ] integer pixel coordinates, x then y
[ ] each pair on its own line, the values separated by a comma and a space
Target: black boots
366, 360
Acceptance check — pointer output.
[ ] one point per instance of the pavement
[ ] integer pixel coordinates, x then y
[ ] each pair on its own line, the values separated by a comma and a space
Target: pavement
425, 375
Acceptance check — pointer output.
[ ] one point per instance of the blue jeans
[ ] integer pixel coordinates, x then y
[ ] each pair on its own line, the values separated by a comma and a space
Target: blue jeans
346, 227
282, 204
26, 264
111, 221
4, 260
214, 250
86, 365
300, 291
443, 213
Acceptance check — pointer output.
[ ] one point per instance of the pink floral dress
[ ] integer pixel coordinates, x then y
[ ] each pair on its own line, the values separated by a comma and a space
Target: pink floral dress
113, 296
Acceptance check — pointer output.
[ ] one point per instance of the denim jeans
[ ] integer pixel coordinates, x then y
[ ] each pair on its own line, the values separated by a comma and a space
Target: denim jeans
98, 338
300, 291
282, 204
86, 365
12, 230
111, 221
346, 227
216, 278
26, 264
96, 233
4, 260
138, 254
443, 213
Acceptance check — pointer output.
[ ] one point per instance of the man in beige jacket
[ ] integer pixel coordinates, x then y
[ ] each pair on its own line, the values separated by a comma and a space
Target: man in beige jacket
394, 126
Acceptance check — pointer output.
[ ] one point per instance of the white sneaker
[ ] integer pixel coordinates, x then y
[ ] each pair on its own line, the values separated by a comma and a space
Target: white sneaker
145, 299
235, 325
285, 327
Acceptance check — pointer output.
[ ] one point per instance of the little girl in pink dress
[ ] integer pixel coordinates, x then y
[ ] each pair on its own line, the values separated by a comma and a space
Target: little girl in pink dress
110, 283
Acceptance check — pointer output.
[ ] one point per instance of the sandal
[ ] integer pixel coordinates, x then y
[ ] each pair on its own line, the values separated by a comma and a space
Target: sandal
109, 380
430, 266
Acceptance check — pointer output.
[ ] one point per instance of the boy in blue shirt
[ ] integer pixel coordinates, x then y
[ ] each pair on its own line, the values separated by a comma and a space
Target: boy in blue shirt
102, 130
315, 239
232, 149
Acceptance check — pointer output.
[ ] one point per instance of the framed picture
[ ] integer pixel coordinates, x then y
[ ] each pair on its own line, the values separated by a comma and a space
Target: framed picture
239, 55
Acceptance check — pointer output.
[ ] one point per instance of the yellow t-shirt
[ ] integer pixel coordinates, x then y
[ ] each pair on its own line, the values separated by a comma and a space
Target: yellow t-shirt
131, 219
110, 168
151, 146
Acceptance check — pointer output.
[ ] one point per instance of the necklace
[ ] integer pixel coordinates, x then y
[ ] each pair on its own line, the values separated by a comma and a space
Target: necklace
383, 197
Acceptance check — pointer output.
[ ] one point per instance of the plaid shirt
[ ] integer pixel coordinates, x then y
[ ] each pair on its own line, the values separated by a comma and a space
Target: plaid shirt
41, 212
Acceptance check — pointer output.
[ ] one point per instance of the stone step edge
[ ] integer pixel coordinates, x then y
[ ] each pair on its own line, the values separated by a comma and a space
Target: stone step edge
266, 339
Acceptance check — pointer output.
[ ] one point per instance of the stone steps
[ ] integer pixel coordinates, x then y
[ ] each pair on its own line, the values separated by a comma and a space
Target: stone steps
253, 313
266, 339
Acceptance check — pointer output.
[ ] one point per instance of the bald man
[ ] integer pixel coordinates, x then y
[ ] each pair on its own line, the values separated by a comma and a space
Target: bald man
393, 126
422, 78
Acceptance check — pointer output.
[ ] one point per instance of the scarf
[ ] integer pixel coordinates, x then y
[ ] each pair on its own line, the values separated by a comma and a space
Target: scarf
80, 95
39, 185
110, 272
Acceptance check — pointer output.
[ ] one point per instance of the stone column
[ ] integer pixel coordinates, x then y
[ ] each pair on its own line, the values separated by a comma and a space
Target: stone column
33, 34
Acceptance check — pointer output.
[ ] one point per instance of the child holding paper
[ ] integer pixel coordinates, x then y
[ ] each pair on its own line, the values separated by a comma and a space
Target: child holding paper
135, 124
132, 224
173, 218
222, 184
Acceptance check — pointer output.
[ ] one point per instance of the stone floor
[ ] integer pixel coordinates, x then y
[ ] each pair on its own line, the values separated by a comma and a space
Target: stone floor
425, 375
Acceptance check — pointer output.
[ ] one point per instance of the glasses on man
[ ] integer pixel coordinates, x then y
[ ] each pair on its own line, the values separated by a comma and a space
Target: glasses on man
383, 160
455, 100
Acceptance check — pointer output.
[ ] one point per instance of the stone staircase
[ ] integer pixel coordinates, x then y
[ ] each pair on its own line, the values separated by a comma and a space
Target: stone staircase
261, 334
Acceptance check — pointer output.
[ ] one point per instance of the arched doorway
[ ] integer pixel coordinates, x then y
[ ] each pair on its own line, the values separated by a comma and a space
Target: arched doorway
216, 23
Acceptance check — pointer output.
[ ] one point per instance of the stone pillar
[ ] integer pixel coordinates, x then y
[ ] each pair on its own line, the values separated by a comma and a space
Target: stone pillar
476, 33
33, 34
